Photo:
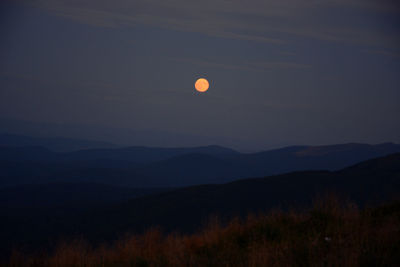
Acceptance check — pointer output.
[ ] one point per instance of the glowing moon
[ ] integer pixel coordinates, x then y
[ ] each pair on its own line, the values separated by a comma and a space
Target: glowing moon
201, 85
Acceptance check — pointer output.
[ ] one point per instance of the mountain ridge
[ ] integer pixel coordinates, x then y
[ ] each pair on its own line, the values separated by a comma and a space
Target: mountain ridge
188, 209
174, 167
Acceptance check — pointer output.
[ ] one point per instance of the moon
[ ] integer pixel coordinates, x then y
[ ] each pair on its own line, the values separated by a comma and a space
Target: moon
201, 85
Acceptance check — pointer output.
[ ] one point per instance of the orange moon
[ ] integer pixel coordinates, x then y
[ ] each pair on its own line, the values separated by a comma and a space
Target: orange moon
201, 85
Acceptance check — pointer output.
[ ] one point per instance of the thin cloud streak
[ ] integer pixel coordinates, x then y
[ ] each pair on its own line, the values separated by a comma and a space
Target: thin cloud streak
247, 66
383, 53
225, 18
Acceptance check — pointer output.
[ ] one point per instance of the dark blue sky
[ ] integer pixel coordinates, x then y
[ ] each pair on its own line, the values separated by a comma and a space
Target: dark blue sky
281, 72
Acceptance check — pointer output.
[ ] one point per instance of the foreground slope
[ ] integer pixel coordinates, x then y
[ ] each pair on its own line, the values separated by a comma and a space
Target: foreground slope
188, 209
331, 233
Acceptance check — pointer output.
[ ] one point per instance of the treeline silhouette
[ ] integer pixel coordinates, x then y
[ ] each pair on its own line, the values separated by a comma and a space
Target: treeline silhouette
331, 233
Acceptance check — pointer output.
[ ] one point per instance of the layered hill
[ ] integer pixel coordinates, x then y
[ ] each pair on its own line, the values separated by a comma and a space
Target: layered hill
59, 144
173, 167
188, 209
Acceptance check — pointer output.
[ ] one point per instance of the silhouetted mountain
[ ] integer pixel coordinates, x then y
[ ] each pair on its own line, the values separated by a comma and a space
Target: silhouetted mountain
187, 209
116, 135
68, 195
29, 212
139, 154
58, 144
135, 154
166, 167
26, 165
331, 157
27, 153
191, 169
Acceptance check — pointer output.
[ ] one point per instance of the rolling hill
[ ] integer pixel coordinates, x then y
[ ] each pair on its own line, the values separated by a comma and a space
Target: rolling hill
368, 182
59, 144
188, 209
173, 167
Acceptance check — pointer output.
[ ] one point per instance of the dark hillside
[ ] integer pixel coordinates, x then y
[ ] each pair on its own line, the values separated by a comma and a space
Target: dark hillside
176, 167
187, 209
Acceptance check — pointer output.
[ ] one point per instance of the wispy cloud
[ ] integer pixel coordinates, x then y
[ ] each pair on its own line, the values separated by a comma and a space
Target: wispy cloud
248, 66
256, 20
383, 53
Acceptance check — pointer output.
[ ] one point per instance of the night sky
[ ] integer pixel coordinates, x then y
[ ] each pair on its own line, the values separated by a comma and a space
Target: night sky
281, 72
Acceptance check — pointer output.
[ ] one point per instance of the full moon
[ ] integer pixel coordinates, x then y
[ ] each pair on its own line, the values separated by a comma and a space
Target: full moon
201, 85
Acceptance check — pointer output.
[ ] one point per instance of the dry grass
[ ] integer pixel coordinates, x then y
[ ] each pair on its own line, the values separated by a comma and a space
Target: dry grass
331, 234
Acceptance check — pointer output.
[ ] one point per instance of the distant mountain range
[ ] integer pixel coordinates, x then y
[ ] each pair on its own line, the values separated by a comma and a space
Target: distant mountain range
59, 144
187, 209
172, 167
368, 182
70, 196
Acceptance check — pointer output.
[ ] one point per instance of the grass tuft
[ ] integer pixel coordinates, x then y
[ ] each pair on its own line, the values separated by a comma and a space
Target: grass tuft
332, 233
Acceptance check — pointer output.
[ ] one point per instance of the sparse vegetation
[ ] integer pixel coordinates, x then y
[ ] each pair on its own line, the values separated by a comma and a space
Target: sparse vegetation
332, 233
